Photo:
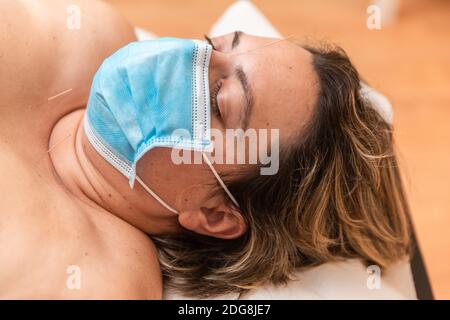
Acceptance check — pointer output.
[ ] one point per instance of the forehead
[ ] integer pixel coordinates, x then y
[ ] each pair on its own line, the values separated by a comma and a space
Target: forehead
283, 83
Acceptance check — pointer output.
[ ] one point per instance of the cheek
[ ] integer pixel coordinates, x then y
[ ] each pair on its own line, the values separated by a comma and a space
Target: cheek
177, 169
160, 174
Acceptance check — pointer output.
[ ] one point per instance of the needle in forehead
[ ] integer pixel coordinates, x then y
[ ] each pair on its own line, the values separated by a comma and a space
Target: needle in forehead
264, 46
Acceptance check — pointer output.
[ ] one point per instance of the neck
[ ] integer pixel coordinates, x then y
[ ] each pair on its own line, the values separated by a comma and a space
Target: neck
91, 180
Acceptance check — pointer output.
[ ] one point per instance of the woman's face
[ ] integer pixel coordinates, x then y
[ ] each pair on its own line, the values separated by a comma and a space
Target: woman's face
255, 83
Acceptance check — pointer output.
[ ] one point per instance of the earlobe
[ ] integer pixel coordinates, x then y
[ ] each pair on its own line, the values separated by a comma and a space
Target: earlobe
222, 222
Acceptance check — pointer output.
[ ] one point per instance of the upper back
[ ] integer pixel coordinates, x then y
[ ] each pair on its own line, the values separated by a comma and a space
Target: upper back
47, 65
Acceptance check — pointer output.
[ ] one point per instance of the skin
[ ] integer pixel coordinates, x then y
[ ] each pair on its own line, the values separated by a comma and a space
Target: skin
63, 204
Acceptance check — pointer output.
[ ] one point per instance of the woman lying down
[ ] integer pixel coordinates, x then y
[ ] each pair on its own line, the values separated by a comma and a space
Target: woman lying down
210, 166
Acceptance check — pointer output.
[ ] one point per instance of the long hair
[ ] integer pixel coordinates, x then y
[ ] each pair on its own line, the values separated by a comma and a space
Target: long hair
338, 194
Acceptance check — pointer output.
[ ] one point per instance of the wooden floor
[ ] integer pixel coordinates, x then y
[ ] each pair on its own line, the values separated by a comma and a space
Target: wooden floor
409, 61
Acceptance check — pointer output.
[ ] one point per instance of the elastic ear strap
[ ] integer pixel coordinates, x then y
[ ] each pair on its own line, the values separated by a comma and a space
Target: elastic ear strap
165, 205
219, 179
154, 195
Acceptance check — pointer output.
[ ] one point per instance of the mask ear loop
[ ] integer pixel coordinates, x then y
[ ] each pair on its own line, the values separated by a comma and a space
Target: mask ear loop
155, 196
165, 205
219, 179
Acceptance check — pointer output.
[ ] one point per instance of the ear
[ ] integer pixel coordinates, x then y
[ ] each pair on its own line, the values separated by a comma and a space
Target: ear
222, 221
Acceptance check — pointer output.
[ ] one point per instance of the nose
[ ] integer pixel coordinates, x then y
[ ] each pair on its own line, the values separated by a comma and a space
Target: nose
219, 66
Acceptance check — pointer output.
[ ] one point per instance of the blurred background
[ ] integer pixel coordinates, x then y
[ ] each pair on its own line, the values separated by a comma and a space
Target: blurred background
408, 60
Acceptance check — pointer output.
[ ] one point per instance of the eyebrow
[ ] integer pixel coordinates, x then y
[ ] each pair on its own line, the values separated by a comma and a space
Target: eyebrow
236, 39
245, 113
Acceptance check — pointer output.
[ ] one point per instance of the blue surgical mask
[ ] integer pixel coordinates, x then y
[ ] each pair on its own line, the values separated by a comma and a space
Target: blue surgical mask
151, 94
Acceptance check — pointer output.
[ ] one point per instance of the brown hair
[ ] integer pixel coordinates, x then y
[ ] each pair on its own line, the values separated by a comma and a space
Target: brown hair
338, 194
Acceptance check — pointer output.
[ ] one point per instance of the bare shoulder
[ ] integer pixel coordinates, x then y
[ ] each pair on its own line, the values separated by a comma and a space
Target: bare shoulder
52, 45
54, 248
146, 273
73, 261
120, 262
137, 268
